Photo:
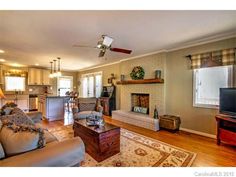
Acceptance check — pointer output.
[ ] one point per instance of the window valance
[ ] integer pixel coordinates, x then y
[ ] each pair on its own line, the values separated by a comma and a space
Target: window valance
215, 58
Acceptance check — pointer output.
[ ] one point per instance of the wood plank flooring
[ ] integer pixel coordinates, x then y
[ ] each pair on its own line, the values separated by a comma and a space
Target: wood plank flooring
209, 154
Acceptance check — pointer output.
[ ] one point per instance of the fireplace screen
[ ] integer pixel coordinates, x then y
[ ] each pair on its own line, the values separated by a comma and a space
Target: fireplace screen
140, 100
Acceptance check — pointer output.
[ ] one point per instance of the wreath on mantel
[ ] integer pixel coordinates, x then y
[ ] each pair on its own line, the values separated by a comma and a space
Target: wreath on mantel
137, 73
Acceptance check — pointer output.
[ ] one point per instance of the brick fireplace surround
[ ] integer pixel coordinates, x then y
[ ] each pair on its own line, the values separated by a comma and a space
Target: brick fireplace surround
154, 93
140, 100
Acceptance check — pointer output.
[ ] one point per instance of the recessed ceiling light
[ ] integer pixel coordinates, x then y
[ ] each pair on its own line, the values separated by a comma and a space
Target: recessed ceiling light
15, 64
2, 51
2, 60
36, 64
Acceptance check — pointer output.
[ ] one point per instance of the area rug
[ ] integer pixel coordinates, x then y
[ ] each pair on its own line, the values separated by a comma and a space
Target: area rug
136, 151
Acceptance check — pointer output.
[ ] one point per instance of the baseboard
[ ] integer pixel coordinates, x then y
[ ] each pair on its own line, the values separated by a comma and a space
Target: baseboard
198, 133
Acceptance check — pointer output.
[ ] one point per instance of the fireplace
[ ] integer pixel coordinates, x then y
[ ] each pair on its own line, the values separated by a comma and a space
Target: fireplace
140, 100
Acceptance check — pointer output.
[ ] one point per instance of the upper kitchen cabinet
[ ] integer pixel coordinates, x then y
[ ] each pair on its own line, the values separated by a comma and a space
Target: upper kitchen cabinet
1, 75
35, 76
46, 79
38, 76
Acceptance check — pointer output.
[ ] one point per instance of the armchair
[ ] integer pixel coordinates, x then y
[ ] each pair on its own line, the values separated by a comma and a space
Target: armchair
87, 106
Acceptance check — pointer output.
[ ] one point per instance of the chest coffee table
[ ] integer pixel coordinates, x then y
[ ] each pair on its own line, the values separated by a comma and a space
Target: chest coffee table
100, 143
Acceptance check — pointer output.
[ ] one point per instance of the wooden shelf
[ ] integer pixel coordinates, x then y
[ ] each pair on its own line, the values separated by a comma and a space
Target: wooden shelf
142, 81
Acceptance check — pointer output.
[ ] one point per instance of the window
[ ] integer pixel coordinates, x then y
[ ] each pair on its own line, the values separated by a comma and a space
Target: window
91, 85
14, 83
206, 84
65, 84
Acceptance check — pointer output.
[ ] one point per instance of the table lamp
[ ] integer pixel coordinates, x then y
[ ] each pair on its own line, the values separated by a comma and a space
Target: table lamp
1, 95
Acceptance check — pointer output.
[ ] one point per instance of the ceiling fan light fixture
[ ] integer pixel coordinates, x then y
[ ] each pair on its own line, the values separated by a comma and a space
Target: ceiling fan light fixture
107, 41
99, 45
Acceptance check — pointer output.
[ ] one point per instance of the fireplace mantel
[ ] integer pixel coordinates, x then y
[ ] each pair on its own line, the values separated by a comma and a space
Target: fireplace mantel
142, 81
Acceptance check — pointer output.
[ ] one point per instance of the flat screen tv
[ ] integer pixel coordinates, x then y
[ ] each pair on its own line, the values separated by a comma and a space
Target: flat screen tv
228, 101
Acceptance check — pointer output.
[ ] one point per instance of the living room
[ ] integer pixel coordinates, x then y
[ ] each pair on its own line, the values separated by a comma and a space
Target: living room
78, 90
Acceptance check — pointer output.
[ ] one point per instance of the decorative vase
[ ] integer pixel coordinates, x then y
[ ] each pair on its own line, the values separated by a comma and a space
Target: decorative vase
155, 116
122, 77
158, 74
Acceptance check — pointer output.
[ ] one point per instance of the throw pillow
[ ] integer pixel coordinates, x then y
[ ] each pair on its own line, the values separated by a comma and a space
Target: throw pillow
2, 154
17, 139
7, 110
18, 117
87, 107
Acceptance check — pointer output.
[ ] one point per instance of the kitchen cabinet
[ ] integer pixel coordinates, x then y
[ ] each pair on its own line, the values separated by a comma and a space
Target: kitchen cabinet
38, 76
52, 107
1, 75
42, 105
45, 78
34, 76
21, 100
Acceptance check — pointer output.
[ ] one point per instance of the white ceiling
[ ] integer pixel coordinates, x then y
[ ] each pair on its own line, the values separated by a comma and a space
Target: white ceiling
30, 37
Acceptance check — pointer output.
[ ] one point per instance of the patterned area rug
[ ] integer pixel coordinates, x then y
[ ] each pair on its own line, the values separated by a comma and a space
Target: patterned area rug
136, 151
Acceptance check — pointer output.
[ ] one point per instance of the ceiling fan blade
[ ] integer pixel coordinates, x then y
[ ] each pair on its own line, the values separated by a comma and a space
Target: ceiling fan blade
121, 50
101, 53
85, 46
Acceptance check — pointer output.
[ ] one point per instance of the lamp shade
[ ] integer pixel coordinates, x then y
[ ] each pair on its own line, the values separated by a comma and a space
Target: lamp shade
2, 94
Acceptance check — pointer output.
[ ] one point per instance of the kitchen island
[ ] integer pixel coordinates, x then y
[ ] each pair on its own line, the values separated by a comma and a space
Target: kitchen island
52, 107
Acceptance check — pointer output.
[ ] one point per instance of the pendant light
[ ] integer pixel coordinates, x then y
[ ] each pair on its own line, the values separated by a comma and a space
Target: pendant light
59, 67
54, 68
51, 74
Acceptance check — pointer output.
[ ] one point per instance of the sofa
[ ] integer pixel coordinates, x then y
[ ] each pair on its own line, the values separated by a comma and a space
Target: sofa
55, 153
86, 107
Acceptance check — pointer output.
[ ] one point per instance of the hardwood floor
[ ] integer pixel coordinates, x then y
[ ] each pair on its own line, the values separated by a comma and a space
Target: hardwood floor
209, 154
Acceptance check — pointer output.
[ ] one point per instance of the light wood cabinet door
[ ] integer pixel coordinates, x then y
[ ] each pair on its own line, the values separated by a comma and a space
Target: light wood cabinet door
46, 79
1, 75
35, 76
22, 101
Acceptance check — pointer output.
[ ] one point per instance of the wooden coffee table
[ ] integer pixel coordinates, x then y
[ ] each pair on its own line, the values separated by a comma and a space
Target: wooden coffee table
100, 143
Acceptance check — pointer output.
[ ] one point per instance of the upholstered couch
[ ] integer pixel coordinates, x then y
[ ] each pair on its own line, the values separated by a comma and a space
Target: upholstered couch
87, 106
55, 153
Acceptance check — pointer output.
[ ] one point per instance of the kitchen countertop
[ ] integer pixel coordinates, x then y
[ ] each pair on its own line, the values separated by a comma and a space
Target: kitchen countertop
55, 96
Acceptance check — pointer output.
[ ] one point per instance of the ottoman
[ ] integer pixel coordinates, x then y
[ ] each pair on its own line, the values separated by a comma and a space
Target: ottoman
170, 122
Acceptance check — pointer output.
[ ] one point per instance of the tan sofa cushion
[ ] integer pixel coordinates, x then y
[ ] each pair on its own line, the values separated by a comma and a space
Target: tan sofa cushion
2, 153
57, 154
17, 139
49, 137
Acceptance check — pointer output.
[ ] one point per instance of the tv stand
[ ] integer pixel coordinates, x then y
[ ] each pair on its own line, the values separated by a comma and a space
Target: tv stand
226, 129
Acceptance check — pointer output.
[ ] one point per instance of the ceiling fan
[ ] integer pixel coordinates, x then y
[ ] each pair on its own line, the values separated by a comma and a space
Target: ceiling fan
105, 44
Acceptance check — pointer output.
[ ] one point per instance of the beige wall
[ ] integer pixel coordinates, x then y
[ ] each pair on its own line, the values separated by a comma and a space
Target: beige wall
106, 73
156, 91
65, 73
176, 94
54, 81
179, 88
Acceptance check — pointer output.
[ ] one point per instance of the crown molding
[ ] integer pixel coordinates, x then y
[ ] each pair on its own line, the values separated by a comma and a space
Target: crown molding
195, 43
121, 60
99, 66
143, 55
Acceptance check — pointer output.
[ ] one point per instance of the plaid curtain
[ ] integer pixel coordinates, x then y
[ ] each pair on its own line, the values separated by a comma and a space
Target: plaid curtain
216, 58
